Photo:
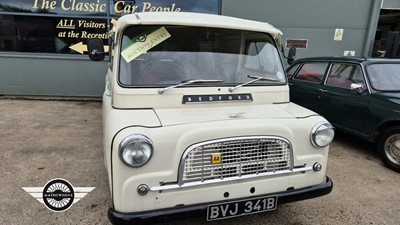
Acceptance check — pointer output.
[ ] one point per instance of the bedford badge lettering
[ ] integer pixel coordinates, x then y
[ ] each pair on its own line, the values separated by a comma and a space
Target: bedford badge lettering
217, 98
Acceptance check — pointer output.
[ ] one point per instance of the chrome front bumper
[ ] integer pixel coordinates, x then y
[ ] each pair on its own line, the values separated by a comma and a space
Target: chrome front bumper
197, 210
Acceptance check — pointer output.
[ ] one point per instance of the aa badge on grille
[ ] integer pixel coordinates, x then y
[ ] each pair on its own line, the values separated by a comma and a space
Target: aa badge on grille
58, 195
216, 158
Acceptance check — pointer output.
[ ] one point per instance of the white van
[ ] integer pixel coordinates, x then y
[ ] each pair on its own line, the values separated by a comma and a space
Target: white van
198, 122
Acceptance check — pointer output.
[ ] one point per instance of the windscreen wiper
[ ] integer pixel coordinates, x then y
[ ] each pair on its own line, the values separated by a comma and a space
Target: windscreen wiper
187, 82
256, 78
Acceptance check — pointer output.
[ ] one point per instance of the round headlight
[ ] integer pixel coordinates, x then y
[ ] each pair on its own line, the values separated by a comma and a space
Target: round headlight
136, 150
322, 134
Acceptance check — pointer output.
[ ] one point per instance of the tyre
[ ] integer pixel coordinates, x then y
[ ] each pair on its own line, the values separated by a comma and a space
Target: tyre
389, 148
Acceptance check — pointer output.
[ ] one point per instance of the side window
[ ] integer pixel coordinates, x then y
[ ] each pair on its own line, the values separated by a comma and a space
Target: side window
292, 70
261, 58
343, 75
312, 72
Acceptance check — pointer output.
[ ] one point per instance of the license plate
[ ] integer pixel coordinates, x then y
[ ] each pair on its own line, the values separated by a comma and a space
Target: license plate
240, 208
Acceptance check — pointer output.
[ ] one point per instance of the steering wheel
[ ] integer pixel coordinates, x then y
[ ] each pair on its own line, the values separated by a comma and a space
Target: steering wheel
160, 72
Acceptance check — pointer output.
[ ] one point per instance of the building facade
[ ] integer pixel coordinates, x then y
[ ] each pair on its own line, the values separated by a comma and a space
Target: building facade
43, 42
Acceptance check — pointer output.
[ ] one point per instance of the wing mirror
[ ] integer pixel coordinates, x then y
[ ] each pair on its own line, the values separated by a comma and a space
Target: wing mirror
291, 56
96, 49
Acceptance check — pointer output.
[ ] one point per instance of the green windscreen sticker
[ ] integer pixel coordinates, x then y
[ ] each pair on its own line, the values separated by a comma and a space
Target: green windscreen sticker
144, 42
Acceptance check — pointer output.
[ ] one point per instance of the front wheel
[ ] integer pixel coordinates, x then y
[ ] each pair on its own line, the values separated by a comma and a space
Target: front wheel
389, 148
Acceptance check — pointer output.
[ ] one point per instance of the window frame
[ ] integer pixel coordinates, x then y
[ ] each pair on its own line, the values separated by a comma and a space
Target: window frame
327, 67
354, 65
243, 51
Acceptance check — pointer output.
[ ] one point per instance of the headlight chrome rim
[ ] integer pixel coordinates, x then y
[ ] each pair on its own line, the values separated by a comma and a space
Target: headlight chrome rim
320, 127
136, 140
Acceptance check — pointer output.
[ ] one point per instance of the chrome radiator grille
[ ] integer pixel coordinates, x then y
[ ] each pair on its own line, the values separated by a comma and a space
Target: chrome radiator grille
239, 157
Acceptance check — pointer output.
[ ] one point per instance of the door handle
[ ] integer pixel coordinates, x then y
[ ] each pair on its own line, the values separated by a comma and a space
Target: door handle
322, 90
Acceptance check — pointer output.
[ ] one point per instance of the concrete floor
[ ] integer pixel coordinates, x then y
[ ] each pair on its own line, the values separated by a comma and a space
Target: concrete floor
43, 140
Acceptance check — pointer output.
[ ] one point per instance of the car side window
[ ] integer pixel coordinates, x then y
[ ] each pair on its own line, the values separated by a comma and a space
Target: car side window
343, 75
312, 72
292, 70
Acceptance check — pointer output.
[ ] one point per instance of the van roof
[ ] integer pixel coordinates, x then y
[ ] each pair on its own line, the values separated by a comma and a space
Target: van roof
196, 19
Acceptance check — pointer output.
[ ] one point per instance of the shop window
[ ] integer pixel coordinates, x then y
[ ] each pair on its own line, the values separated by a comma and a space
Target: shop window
63, 26
119, 8
56, 7
50, 34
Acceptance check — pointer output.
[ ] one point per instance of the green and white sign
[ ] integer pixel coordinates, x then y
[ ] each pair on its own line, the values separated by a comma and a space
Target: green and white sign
144, 42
